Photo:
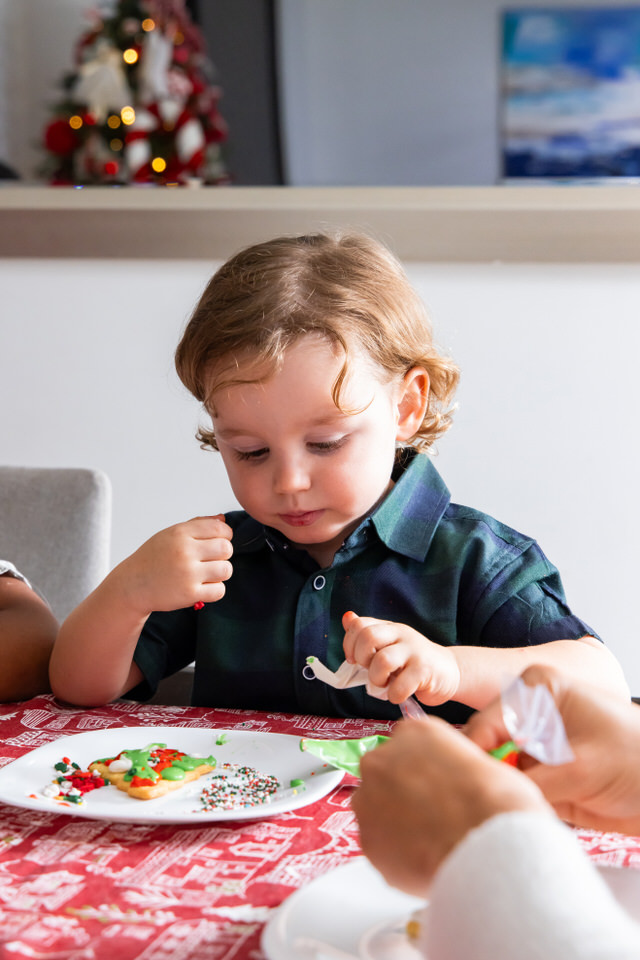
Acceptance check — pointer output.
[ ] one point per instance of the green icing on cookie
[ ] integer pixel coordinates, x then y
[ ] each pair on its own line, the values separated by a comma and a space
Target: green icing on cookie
141, 764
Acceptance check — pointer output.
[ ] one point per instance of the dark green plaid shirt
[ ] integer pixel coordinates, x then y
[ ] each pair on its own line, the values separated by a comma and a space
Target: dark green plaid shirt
451, 572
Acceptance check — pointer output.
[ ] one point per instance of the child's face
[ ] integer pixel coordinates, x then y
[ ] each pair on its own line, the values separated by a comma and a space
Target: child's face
299, 464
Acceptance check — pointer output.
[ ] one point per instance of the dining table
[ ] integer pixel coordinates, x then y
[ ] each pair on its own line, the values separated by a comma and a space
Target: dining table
73, 887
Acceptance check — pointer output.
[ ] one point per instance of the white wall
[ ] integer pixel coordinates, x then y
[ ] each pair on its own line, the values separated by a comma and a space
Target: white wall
393, 93
37, 39
86, 358
544, 437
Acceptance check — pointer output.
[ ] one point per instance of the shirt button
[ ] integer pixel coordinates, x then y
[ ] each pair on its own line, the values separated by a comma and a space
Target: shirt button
319, 582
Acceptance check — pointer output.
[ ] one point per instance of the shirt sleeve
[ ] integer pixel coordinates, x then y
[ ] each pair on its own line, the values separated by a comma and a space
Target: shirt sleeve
524, 603
166, 645
520, 886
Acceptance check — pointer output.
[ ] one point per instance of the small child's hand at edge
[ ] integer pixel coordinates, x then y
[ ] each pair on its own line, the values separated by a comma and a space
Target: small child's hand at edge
401, 659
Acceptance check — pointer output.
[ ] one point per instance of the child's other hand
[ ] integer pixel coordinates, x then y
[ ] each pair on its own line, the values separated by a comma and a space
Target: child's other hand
401, 659
179, 566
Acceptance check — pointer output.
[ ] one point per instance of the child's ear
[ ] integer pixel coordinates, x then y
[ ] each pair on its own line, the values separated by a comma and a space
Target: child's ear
412, 402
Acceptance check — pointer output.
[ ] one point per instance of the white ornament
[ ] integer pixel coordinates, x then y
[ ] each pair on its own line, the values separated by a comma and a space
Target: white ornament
189, 139
138, 155
102, 83
153, 69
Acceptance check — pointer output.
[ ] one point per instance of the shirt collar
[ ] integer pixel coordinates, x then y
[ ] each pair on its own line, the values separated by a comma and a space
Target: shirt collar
405, 521
407, 518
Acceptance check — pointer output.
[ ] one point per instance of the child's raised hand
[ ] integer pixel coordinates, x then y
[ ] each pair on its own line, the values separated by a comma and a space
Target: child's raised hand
177, 567
401, 659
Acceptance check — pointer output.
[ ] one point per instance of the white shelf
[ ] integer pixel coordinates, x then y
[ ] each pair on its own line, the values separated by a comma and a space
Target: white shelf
542, 224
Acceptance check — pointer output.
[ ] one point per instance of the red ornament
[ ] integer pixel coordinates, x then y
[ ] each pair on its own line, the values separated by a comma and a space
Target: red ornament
111, 167
60, 138
215, 128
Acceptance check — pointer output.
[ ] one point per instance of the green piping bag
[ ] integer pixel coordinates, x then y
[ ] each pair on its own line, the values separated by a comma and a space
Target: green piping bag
344, 754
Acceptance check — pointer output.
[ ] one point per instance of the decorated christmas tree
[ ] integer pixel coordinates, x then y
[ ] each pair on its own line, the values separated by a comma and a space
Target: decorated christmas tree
139, 105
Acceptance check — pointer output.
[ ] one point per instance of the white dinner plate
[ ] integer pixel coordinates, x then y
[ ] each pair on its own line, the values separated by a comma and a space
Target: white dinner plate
276, 754
347, 913
351, 913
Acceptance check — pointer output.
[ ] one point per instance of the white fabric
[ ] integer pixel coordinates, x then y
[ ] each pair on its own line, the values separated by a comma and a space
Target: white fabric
520, 888
7, 567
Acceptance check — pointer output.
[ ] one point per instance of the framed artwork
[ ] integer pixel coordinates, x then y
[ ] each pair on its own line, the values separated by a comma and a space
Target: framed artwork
570, 83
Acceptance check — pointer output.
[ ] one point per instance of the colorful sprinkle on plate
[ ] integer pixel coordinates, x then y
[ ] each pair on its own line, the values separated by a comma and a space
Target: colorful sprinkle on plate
235, 787
72, 783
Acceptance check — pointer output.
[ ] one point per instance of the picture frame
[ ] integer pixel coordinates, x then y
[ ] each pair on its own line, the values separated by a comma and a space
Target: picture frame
570, 94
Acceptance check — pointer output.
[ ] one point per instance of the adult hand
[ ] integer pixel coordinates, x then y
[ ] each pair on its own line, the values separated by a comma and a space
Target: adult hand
401, 660
422, 791
600, 789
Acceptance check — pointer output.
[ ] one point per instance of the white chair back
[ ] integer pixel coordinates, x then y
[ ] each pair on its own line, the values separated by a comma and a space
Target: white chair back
55, 526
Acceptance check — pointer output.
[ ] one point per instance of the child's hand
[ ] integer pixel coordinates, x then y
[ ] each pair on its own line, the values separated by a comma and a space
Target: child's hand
179, 566
401, 659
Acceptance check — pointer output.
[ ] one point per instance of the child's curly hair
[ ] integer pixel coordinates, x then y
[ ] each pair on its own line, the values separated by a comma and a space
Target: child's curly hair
347, 288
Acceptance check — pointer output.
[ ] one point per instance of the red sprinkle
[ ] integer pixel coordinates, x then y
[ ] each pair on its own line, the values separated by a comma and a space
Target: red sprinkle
198, 605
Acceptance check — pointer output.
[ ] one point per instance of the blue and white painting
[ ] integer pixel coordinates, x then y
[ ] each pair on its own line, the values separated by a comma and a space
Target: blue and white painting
571, 93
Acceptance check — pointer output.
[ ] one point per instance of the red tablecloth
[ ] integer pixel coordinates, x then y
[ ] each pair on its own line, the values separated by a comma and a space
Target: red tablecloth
76, 889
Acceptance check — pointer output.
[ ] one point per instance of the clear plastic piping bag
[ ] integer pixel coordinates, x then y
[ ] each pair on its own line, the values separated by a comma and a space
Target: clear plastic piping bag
534, 722
353, 675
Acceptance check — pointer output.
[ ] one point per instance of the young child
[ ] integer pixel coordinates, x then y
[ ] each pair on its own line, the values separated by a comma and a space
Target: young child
27, 633
313, 357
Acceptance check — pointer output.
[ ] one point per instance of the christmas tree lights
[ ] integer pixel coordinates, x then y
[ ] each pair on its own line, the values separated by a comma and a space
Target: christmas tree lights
138, 105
